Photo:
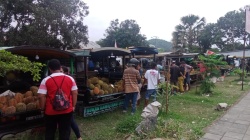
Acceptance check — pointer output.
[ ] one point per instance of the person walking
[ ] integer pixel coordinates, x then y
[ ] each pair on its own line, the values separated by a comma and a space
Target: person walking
131, 77
48, 88
74, 125
188, 68
152, 78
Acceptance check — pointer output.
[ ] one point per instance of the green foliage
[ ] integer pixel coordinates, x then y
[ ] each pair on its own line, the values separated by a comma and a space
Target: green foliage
239, 72
10, 62
55, 23
212, 64
128, 124
206, 86
162, 44
126, 34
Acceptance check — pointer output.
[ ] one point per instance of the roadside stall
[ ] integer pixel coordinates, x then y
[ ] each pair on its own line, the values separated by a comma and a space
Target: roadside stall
22, 90
105, 71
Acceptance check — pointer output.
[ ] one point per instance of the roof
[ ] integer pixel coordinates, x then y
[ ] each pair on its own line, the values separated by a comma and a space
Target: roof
80, 52
143, 50
237, 53
108, 51
42, 52
90, 45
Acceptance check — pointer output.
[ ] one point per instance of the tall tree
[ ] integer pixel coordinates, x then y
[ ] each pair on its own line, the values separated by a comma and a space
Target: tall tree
55, 23
126, 33
161, 44
188, 31
232, 25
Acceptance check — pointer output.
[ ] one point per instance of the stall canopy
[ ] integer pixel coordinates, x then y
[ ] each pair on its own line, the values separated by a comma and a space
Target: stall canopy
80, 52
41, 52
143, 50
108, 51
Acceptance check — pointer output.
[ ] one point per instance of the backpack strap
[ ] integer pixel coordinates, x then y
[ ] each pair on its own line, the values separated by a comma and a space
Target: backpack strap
57, 87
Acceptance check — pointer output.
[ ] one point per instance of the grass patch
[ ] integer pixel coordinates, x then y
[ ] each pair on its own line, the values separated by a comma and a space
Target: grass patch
188, 115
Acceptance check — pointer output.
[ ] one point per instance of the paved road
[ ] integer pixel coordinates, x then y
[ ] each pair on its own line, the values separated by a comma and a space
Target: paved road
234, 125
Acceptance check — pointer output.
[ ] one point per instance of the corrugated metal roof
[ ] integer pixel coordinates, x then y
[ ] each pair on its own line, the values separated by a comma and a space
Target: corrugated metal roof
237, 53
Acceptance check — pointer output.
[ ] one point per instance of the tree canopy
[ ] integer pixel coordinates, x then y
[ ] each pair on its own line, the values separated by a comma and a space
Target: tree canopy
54, 23
11, 62
125, 33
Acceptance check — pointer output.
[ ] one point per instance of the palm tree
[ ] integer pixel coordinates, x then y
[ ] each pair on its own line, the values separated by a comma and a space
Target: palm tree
189, 29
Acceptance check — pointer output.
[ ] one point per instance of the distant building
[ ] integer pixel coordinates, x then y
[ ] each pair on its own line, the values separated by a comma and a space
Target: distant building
90, 45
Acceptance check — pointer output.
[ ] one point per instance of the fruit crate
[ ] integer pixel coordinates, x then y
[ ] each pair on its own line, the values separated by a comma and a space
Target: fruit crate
18, 122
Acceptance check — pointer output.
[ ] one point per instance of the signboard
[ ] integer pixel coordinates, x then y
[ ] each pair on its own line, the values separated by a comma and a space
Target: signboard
98, 109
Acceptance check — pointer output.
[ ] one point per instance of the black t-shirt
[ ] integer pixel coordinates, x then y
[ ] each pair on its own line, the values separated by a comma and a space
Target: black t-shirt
182, 70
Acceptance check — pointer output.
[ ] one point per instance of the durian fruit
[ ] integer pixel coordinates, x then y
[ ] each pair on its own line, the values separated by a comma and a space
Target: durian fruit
106, 92
37, 104
12, 102
1, 106
94, 80
34, 90
28, 94
19, 97
88, 82
3, 100
110, 91
20, 107
96, 90
28, 100
3, 109
97, 85
10, 110
105, 86
91, 86
120, 88
115, 90
101, 92
31, 106
100, 82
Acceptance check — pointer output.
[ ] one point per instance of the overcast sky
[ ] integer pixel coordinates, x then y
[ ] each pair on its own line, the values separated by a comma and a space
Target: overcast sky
155, 17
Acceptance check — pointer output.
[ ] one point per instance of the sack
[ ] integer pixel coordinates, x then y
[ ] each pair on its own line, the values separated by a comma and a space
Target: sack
60, 101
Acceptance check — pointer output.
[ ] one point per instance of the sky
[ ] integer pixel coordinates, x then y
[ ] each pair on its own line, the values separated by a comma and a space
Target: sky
157, 18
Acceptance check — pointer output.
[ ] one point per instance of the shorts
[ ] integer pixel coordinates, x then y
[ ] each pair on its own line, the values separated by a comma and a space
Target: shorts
149, 93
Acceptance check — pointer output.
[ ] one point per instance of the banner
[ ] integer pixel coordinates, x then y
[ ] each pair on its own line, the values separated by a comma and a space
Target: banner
209, 52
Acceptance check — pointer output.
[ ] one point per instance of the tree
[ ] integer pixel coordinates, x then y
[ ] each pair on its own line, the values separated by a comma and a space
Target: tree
126, 33
10, 62
232, 26
163, 45
54, 23
187, 32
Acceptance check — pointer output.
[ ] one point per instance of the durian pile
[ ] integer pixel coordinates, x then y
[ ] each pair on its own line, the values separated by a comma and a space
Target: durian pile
101, 86
19, 102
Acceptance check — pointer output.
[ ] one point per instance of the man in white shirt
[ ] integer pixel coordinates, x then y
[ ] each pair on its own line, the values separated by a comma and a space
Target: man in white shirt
152, 78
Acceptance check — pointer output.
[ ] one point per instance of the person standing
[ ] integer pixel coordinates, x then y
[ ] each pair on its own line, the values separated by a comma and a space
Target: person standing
174, 74
152, 78
188, 68
74, 125
46, 94
181, 78
131, 77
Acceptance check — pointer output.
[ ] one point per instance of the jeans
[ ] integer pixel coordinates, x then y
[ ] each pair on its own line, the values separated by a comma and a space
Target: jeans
63, 121
75, 127
130, 96
187, 79
151, 92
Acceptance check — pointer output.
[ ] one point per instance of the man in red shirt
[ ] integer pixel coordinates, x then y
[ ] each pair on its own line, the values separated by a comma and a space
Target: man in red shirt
47, 90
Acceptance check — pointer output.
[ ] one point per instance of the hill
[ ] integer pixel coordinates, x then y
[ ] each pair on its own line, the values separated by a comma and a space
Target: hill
162, 44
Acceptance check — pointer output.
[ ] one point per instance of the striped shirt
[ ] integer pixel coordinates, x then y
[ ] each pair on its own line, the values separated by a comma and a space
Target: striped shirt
131, 76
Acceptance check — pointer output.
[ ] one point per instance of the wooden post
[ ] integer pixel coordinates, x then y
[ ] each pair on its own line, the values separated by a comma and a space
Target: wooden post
167, 84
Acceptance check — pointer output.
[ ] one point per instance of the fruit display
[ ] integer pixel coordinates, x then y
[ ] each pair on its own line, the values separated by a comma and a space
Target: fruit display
101, 86
18, 102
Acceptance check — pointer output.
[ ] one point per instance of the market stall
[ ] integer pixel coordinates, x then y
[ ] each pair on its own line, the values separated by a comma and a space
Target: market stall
19, 104
105, 71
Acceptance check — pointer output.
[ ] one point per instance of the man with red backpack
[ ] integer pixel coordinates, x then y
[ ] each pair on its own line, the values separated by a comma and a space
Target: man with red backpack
57, 96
